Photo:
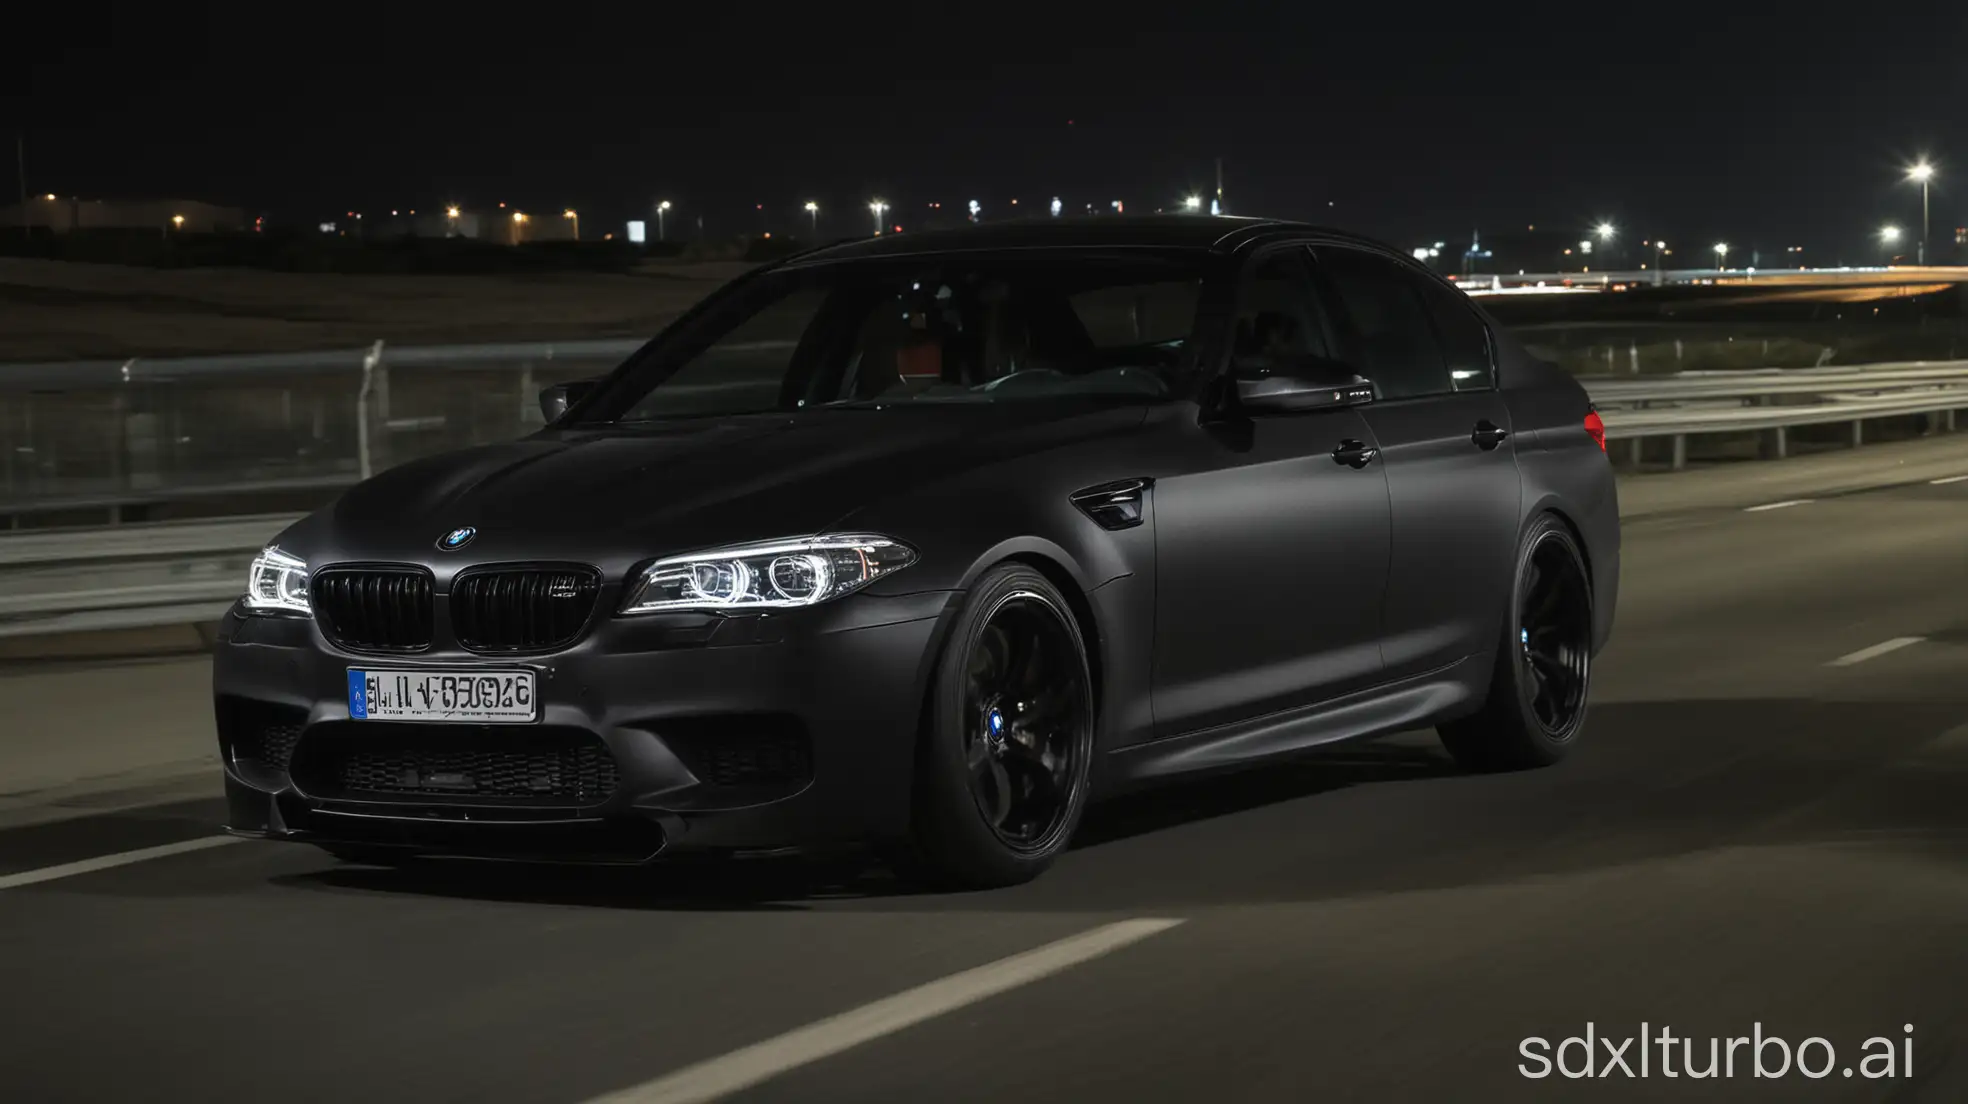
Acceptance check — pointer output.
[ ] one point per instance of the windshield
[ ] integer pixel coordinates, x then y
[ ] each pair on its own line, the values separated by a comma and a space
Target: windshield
925, 330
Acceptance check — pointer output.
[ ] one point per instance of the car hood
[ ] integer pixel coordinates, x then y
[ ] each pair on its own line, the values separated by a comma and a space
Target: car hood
675, 486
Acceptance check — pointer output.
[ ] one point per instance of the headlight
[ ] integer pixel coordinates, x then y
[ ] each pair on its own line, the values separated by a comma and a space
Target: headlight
772, 575
277, 582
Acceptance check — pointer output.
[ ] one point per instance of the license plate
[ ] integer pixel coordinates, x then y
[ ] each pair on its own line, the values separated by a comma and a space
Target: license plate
460, 697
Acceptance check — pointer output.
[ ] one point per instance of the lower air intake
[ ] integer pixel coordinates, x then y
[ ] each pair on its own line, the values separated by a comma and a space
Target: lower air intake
439, 764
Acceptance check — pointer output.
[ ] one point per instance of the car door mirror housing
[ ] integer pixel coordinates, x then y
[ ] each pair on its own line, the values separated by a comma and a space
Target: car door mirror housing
1308, 383
555, 401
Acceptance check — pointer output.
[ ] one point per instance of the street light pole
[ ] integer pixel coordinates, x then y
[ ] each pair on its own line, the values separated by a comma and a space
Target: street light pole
661, 207
813, 209
1924, 229
1922, 174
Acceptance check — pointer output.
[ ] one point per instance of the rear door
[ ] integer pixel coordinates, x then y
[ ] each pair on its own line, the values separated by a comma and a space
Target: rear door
1446, 438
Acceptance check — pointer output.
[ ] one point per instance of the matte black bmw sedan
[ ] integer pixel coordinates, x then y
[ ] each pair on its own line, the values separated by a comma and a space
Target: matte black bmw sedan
926, 540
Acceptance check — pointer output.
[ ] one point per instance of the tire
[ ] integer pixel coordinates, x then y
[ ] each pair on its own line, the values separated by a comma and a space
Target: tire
1003, 760
1541, 683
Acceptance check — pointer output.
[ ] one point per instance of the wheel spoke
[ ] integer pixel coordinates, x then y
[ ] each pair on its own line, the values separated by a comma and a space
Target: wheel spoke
1050, 706
977, 752
1028, 675
1030, 768
1002, 796
1541, 695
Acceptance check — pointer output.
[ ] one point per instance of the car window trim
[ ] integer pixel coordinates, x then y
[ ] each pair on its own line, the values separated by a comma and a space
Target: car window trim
1242, 267
1408, 265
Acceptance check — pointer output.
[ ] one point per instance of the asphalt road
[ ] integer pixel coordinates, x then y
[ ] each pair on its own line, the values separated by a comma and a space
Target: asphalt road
1753, 832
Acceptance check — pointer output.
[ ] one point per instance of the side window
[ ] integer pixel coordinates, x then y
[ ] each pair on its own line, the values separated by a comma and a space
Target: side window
1127, 315
1278, 318
1465, 339
1393, 340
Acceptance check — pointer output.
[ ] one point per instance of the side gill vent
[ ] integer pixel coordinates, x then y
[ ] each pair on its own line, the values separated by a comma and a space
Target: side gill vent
1116, 505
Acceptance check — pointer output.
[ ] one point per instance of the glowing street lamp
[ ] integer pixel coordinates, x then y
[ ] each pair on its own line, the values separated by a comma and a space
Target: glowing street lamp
177, 222
660, 208
575, 218
1722, 255
813, 211
1056, 205
1192, 203
1605, 230
877, 207
1889, 236
1923, 175
451, 212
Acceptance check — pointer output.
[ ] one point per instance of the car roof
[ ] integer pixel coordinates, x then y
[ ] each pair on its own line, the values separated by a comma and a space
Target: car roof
1199, 232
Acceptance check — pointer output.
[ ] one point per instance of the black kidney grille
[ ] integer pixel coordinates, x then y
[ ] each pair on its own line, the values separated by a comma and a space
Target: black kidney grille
522, 609
374, 609
584, 774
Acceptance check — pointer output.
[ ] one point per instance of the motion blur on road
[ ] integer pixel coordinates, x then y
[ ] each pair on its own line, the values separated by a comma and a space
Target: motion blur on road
1765, 825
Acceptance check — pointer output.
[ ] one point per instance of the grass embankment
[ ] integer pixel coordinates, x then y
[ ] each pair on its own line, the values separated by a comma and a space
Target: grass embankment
62, 310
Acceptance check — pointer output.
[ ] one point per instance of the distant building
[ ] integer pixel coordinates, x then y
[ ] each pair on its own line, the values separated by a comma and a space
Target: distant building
447, 222
1534, 250
501, 226
63, 214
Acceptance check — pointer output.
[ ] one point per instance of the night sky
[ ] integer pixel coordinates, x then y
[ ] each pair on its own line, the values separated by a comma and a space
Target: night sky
1788, 124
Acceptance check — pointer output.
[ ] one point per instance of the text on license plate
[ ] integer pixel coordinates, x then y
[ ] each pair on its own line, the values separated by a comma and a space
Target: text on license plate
478, 697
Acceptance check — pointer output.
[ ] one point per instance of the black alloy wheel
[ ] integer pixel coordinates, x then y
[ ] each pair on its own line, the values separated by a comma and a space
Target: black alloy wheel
1025, 698
1541, 680
1554, 635
1002, 771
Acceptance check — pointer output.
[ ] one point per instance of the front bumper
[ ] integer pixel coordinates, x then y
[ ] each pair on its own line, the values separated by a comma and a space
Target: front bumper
666, 733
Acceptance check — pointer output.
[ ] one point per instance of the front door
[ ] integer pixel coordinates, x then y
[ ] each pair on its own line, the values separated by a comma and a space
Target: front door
1271, 552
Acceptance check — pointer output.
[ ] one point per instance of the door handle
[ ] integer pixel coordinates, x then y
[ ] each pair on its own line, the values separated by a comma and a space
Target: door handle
1488, 435
1354, 454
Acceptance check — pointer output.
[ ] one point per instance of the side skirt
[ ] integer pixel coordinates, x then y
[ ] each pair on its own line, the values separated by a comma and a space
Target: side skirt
1416, 702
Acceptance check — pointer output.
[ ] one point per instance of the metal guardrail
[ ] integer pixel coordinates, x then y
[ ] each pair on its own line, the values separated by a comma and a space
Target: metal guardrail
127, 577
106, 436
1773, 402
145, 575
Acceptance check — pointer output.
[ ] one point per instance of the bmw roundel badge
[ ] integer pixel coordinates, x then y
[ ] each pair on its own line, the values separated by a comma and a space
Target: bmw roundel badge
457, 538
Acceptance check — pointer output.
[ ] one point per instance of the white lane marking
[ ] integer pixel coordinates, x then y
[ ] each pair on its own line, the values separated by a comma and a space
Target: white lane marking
1949, 479
1777, 505
759, 1062
1875, 651
106, 862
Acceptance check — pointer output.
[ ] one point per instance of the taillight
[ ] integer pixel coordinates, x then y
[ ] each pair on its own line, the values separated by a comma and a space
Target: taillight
1595, 427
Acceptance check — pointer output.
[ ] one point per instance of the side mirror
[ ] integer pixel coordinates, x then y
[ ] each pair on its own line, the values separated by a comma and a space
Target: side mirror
558, 399
1314, 384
